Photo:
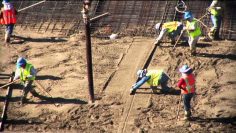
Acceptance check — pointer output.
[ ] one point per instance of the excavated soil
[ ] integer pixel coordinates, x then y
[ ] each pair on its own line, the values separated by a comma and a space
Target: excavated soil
61, 65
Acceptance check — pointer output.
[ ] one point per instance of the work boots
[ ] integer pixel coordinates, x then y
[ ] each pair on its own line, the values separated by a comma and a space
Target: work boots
157, 42
7, 38
34, 93
23, 100
193, 52
187, 115
132, 91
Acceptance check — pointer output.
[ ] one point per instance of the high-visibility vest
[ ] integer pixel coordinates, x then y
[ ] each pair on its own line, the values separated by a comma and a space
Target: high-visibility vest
8, 17
26, 72
189, 86
170, 26
197, 32
155, 77
215, 11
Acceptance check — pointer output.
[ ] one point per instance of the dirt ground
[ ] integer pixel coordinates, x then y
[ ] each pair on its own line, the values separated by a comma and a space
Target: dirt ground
61, 66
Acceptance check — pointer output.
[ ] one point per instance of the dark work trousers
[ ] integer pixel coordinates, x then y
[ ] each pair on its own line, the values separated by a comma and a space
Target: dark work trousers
28, 88
187, 99
164, 81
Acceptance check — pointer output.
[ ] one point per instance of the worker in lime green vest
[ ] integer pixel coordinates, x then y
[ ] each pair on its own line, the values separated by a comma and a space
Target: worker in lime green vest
171, 29
154, 78
216, 18
26, 73
193, 31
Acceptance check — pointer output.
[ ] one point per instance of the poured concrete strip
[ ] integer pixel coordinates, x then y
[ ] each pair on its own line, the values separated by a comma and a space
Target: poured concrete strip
125, 77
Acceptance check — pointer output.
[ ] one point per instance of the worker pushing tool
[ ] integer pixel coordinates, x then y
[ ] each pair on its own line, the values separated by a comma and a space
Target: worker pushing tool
187, 86
8, 18
193, 31
26, 73
154, 78
171, 29
216, 18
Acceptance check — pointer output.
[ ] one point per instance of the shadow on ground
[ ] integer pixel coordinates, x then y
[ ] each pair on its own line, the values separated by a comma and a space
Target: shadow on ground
47, 100
158, 92
44, 77
225, 120
46, 39
220, 56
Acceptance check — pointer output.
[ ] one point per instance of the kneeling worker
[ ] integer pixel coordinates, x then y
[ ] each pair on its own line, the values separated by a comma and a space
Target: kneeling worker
153, 77
171, 29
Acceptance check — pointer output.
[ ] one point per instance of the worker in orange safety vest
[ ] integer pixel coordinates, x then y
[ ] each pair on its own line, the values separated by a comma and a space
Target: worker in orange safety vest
8, 18
187, 86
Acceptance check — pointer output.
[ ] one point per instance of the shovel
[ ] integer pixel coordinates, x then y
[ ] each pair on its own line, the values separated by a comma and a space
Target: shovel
9, 83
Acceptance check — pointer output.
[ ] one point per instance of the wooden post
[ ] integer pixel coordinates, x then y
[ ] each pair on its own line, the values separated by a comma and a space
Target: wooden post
85, 13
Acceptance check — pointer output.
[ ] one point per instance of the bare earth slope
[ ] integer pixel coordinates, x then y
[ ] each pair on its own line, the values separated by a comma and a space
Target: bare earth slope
61, 65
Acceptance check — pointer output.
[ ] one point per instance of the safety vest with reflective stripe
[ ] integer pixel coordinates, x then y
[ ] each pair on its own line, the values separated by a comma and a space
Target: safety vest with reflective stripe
155, 77
170, 26
26, 72
215, 11
8, 17
197, 32
189, 86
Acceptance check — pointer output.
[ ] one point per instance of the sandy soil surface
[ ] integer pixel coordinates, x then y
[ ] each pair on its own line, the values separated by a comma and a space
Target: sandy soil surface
61, 65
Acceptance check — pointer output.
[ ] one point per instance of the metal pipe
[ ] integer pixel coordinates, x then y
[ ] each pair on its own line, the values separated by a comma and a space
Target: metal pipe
99, 16
31, 6
9, 83
85, 14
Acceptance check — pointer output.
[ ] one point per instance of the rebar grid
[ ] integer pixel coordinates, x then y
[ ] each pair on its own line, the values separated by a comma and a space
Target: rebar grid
127, 17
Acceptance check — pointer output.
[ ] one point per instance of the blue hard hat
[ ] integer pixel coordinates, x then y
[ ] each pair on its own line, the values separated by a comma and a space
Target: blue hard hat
20, 61
188, 15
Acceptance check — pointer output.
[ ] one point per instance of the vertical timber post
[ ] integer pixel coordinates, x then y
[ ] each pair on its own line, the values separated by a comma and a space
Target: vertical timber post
85, 13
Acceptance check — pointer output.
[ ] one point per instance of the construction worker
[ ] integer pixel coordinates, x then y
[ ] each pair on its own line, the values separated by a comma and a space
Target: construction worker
153, 78
187, 86
216, 18
8, 18
193, 31
26, 73
172, 29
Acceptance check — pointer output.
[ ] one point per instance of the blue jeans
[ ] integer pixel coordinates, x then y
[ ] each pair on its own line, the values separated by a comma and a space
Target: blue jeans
216, 20
162, 81
187, 99
9, 29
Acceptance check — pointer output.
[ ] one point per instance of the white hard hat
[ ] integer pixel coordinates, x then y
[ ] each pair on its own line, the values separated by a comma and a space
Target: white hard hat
157, 26
141, 73
113, 36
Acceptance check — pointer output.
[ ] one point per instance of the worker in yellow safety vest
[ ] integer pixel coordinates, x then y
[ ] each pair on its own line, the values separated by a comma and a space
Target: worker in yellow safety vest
193, 31
216, 18
171, 29
26, 73
154, 78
